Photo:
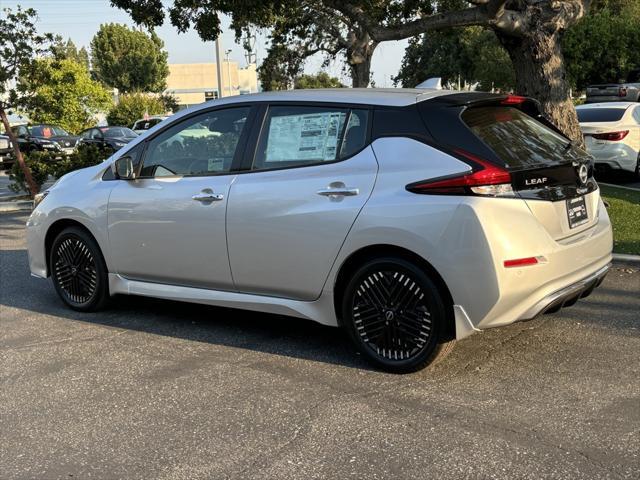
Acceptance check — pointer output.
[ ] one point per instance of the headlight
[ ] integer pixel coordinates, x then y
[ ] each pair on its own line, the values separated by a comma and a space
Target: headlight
39, 198
119, 144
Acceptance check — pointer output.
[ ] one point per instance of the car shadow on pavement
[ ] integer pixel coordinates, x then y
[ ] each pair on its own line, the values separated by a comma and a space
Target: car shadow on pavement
257, 331
273, 334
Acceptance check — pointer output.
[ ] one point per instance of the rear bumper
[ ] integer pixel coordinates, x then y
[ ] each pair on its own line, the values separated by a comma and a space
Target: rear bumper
620, 158
492, 295
568, 295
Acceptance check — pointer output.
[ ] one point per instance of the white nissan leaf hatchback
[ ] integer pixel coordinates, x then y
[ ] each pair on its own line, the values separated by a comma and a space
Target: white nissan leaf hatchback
411, 218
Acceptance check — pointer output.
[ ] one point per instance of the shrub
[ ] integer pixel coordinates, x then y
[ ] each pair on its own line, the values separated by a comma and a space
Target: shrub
43, 164
39, 164
85, 156
132, 107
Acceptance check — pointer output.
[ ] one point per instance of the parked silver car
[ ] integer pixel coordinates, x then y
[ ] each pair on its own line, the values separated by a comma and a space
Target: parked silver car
628, 91
612, 134
409, 217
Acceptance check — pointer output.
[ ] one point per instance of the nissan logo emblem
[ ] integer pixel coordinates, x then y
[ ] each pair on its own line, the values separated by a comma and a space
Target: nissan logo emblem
583, 174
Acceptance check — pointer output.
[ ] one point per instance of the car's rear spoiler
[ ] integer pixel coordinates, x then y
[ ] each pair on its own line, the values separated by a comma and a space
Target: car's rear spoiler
528, 105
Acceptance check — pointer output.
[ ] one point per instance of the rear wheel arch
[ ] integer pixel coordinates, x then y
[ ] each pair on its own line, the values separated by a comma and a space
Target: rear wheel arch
54, 230
359, 257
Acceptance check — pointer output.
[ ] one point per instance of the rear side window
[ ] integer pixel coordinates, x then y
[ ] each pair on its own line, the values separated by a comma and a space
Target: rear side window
295, 136
586, 115
355, 136
517, 139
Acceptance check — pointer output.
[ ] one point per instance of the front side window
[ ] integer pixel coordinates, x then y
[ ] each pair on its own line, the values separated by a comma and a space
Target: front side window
202, 145
297, 136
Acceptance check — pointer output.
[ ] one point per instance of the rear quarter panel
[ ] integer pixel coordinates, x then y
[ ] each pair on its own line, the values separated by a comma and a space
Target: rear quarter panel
441, 229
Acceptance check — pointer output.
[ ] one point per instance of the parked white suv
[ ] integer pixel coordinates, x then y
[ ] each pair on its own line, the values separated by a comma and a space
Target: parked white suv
612, 134
409, 217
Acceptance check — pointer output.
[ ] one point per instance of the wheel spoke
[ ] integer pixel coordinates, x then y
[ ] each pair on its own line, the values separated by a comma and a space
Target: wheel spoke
75, 270
391, 315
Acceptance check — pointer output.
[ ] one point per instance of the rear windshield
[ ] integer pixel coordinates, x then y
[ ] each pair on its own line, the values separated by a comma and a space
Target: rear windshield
516, 138
586, 115
146, 124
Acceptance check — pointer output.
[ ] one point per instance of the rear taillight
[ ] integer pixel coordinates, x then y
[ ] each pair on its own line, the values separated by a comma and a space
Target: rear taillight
622, 92
611, 136
484, 179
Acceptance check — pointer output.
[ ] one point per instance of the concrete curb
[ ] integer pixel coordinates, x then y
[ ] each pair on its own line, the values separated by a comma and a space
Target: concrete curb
16, 206
622, 257
633, 189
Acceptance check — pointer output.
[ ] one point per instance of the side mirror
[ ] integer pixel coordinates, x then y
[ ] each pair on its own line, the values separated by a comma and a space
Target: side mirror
124, 168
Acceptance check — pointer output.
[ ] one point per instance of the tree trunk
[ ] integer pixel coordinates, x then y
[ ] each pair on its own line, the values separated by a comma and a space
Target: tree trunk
539, 66
33, 187
360, 74
359, 55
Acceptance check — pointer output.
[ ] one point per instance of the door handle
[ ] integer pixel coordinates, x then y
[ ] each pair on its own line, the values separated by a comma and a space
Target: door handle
208, 196
338, 192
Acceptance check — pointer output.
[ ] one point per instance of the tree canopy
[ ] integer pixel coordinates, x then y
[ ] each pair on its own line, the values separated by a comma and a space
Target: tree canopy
129, 60
469, 55
529, 30
20, 45
132, 107
605, 45
68, 50
320, 80
63, 93
280, 68
602, 47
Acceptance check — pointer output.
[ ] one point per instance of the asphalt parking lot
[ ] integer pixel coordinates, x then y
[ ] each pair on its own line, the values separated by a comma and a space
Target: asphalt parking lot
165, 390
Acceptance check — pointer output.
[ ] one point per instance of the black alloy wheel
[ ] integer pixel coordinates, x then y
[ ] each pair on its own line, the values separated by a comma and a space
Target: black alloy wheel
78, 270
395, 315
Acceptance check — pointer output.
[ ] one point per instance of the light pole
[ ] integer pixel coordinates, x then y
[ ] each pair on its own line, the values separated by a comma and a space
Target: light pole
226, 54
219, 65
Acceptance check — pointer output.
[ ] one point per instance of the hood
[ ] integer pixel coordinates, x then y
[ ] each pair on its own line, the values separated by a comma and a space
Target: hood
62, 140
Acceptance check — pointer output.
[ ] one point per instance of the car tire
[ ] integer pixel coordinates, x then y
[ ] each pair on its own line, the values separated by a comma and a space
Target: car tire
637, 172
395, 315
78, 270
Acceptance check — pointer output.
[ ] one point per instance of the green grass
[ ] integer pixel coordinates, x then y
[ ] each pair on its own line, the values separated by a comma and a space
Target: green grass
624, 211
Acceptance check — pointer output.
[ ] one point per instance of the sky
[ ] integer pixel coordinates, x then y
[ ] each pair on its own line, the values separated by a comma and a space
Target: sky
80, 20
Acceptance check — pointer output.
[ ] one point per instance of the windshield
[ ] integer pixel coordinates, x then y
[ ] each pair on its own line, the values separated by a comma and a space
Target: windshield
47, 131
586, 115
113, 132
519, 140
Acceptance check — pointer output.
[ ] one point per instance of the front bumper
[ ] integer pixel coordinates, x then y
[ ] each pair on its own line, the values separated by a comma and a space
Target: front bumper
568, 295
6, 158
